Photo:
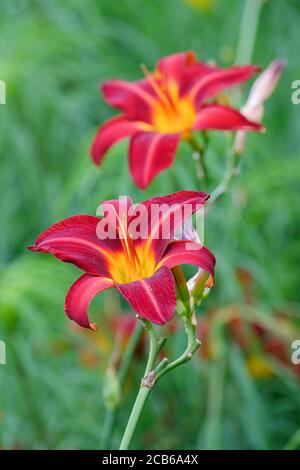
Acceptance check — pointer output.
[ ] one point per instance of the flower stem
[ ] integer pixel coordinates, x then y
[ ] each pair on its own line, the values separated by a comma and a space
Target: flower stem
230, 172
134, 416
198, 154
145, 388
248, 30
132, 345
152, 374
192, 346
110, 414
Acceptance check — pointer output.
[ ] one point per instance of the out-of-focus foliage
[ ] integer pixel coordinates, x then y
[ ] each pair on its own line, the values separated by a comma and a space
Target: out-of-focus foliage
53, 54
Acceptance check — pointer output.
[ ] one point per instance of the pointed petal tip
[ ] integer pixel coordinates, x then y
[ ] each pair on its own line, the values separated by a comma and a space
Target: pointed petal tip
74, 240
256, 127
280, 64
109, 133
80, 295
141, 184
39, 249
205, 196
253, 69
277, 66
94, 155
158, 152
210, 282
103, 84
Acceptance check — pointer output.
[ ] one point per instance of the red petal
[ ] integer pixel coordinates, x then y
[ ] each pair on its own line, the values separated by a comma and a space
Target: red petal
194, 73
115, 213
184, 69
135, 99
111, 132
224, 118
173, 66
120, 206
149, 154
175, 208
75, 240
153, 298
80, 296
187, 252
213, 83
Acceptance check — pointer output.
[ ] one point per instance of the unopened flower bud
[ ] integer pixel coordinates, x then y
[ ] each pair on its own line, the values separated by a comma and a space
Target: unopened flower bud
111, 389
261, 90
199, 286
182, 292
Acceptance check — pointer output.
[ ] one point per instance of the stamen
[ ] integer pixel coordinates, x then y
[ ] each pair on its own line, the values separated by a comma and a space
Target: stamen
128, 245
166, 100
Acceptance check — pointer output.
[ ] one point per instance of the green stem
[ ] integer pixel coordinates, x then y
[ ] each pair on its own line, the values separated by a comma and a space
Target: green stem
109, 420
110, 414
198, 153
152, 375
294, 442
248, 30
192, 346
228, 175
132, 345
245, 48
214, 404
134, 417
145, 388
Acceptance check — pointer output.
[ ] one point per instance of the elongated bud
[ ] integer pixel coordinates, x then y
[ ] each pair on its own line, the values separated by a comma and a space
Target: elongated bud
261, 90
199, 286
111, 389
182, 292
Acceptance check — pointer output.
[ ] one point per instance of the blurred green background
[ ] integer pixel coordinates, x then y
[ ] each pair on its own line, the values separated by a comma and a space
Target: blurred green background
241, 391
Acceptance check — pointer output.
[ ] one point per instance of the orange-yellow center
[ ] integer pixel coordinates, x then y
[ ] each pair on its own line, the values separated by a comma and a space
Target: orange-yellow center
132, 265
171, 113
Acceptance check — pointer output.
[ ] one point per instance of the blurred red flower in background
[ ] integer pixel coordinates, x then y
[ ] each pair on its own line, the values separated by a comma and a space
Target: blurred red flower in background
165, 107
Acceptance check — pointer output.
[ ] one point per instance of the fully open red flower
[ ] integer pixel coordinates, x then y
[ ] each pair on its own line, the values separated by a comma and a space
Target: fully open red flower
139, 268
165, 107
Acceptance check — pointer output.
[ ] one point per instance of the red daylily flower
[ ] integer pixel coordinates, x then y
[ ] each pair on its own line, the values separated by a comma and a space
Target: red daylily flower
165, 107
139, 268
